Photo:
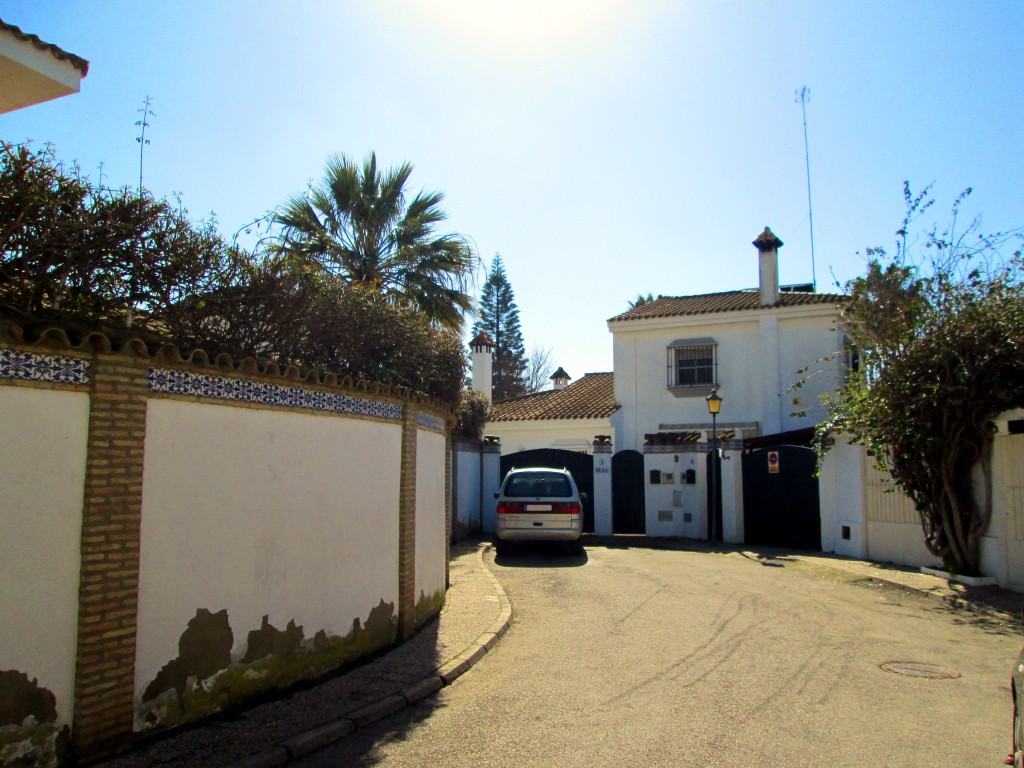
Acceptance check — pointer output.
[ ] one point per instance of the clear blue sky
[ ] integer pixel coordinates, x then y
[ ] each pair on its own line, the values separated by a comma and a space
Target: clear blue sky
604, 147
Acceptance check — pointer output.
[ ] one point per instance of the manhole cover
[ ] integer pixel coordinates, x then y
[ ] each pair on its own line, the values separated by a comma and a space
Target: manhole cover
920, 669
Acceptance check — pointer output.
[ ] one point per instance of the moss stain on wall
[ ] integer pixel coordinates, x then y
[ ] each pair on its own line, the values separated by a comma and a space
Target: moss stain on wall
274, 660
29, 734
428, 606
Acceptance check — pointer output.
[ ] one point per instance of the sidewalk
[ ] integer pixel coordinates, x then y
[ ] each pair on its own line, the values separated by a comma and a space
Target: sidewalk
476, 613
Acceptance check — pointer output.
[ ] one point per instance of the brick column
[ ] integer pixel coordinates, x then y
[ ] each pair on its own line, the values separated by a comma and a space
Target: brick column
109, 581
407, 523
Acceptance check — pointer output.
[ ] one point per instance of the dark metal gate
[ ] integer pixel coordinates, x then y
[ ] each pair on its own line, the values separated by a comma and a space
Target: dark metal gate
628, 510
580, 466
780, 497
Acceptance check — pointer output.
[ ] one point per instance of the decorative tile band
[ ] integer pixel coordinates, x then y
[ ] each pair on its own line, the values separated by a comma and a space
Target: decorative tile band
177, 382
31, 366
430, 421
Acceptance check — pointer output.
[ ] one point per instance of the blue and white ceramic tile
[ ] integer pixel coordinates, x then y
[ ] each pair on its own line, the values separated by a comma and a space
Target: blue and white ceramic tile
242, 390
31, 366
430, 421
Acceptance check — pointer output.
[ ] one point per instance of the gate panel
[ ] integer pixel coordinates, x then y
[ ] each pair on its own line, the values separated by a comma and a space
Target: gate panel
628, 498
1013, 468
580, 466
780, 497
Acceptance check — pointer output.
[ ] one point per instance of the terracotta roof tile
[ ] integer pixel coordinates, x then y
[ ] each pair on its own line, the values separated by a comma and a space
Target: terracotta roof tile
592, 397
76, 61
729, 301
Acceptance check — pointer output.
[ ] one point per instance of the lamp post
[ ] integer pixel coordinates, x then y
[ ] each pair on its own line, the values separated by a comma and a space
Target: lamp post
714, 402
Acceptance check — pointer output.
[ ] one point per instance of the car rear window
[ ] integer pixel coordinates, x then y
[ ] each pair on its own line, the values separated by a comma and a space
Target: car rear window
532, 484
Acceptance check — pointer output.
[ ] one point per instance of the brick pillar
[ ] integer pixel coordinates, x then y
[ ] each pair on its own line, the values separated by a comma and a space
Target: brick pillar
109, 581
407, 523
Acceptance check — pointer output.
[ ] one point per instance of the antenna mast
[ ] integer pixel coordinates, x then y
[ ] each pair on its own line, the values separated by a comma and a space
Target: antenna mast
803, 96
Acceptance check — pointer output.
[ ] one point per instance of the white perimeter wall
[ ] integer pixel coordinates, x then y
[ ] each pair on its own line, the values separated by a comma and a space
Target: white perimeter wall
44, 435
242, 509
467, 485
431, 533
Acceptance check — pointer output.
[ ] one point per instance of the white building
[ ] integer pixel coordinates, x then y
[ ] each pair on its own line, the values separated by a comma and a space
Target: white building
769, 351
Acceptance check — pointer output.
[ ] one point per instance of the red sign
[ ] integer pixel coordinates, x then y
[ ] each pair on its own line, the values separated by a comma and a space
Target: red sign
773, 462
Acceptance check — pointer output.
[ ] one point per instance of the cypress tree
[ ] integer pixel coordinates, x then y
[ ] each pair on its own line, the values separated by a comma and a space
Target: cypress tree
499, 319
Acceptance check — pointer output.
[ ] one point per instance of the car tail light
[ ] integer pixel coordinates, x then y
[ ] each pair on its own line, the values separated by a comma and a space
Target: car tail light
509, 507
566, 507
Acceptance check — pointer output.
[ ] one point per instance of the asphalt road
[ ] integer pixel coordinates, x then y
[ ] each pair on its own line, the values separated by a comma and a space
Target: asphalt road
636, 657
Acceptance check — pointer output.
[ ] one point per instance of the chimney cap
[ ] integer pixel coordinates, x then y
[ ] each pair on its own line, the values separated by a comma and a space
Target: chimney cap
560, 374
767, 241
482, 340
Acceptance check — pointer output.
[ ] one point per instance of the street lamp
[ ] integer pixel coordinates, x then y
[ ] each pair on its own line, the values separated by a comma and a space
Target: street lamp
714, 402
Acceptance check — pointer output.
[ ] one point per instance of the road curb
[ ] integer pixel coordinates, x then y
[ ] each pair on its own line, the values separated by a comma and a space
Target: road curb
445, 674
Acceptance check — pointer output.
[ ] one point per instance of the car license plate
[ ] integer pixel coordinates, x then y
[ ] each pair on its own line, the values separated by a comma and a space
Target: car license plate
538, 507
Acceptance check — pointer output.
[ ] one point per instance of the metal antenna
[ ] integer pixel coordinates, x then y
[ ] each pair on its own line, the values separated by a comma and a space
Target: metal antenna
141, 138
802, 97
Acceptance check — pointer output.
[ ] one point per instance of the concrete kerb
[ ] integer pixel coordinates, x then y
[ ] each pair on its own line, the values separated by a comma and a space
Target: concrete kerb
334, 730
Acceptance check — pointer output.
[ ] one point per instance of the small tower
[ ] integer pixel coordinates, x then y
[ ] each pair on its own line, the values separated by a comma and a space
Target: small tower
560, 379
483, 359
768, 245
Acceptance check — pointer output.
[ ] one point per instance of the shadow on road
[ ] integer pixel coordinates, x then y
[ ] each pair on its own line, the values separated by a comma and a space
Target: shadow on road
541, 554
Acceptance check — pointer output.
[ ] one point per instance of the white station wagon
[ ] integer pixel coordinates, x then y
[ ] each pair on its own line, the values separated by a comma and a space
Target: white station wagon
539, 504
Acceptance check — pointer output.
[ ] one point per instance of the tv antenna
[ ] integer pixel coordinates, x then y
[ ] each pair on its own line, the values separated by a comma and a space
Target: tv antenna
802, 97
143, 124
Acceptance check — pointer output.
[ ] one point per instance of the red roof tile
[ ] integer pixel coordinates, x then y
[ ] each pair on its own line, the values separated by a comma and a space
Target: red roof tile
592, 397
76, 61
729, 301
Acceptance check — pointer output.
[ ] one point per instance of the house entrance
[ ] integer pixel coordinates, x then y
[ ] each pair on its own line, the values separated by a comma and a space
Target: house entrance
628, 510
780, 497
580, 466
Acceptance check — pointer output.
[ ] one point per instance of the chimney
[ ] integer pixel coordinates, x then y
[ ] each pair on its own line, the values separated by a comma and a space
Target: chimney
560, 379
482, 347
768, 246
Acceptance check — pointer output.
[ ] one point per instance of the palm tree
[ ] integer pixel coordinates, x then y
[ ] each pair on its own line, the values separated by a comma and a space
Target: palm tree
357, 227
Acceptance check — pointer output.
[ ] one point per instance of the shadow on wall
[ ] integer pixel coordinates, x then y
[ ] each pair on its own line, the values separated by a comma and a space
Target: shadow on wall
28, 723
203, 679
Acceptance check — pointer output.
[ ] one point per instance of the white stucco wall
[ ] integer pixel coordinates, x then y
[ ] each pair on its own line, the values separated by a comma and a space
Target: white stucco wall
563, 434
467, 490
841, 494
751, 389
669, 503
44, 434
263, 512
431, 534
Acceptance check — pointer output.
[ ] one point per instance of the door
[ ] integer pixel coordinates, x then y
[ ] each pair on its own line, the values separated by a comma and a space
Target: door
780, 497
580, 466
628, 502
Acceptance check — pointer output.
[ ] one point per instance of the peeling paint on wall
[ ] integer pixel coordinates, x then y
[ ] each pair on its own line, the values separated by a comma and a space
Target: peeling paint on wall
28, 723
203, 680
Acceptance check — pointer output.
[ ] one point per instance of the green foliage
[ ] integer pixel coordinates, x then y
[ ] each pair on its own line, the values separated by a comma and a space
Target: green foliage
499, 319
472, 414
640, 300
358, 227
940, 343
72, 251
74, 255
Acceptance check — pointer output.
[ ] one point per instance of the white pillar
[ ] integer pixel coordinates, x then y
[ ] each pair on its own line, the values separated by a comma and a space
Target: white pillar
482, 347
602, 485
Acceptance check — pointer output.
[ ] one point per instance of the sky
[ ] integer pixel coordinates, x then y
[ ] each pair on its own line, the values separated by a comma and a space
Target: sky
605, 148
